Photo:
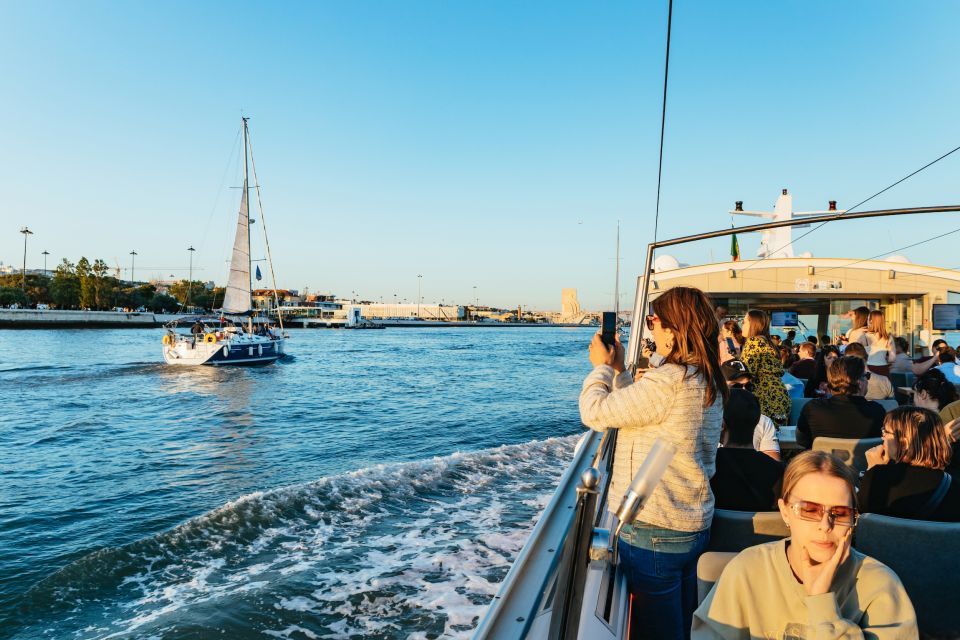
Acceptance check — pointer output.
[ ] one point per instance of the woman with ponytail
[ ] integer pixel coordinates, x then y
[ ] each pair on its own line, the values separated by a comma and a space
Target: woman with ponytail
681, 402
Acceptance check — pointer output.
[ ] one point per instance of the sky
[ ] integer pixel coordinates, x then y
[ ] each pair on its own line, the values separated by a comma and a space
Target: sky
489, 147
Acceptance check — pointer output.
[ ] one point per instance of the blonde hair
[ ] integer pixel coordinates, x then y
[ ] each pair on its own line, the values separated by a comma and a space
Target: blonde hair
817, 462
878, 324
921, 439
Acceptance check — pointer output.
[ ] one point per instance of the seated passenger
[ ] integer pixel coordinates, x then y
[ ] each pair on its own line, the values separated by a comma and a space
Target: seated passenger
906, 475
903, 363
765, 437
947, 359
812, 584
846, 413
879, 385
933, 391
806, 367
816, 386
745, 479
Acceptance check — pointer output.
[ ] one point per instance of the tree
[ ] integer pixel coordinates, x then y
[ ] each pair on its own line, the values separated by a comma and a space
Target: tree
13, 295
161, 302
102, 291
88, 297
65, 286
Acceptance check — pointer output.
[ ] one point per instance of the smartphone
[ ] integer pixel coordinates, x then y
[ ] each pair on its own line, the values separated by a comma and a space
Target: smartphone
608, 328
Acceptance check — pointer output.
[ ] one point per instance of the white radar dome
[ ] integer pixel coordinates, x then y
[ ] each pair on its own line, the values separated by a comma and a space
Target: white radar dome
898, 258
665, 263
805, 254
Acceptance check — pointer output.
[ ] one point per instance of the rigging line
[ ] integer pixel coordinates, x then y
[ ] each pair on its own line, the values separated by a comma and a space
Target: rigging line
886, 253
223, 180
663, 120
266, 241
862, 202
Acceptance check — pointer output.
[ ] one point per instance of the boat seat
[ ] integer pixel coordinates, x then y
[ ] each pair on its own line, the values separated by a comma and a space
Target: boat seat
889, 404
795, 408
851, 450
737, 530
924, 555
709, 567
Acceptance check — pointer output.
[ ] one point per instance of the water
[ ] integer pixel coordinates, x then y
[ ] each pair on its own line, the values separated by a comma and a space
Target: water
375, 485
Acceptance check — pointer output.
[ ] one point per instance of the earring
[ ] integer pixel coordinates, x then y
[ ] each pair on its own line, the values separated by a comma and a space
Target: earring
786, 523
669, 344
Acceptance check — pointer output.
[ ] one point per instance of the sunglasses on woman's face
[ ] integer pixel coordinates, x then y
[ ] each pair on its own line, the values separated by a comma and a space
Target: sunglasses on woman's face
650, 320
813, 512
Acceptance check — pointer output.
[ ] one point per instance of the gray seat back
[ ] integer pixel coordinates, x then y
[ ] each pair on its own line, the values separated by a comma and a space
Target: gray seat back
925, 557
709, 567
850, 450
889, 404
796, 407
737, 530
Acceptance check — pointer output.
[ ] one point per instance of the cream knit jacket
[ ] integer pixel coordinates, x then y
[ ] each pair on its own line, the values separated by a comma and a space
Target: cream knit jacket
666, 403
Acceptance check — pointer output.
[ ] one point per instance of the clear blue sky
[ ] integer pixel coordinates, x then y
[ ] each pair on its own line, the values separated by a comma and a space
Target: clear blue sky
488, 144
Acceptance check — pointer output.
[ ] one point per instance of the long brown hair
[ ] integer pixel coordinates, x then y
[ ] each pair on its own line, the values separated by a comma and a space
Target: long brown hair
921, 439
860, 316
688, 313
757, 323
878, 324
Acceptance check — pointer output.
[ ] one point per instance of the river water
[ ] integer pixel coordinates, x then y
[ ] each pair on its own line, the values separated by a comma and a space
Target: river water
376, 484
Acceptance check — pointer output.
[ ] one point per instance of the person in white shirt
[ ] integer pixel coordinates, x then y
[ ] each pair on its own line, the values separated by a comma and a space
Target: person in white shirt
878, 386
879, 343
765, 438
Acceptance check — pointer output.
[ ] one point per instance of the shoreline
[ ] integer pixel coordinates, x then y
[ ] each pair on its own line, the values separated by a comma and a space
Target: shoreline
59, 319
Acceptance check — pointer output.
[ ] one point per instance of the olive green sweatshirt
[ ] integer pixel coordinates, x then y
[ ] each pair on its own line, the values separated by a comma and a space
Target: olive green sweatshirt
758, 596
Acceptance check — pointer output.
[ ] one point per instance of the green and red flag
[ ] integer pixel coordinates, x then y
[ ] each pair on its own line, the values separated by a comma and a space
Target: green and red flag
734, 248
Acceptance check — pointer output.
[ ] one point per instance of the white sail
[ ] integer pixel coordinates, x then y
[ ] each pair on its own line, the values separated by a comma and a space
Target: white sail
237, 298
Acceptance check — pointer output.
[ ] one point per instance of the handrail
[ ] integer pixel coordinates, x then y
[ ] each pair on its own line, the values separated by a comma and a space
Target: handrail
523, 589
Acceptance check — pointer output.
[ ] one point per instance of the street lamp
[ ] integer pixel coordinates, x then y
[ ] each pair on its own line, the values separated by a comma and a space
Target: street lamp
26, 232
190, 281
45, 254
419, 282
133, 257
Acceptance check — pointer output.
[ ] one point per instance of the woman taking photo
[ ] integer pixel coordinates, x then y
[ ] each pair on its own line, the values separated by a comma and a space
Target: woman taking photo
906, 475
812, 584
763, 360
731, 341
679, 401
860, 317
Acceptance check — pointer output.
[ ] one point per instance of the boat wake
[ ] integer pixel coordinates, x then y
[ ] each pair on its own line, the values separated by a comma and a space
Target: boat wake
412, 550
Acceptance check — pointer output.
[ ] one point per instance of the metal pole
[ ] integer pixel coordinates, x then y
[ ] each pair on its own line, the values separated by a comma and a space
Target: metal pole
133, 257
246, 194
23, 274
419, 282
190, 281
45, 254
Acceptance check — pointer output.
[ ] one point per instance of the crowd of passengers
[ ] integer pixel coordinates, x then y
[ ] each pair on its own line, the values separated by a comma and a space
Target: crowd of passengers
719, 394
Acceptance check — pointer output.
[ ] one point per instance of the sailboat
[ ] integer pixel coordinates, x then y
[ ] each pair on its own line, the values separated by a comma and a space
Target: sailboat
233, 337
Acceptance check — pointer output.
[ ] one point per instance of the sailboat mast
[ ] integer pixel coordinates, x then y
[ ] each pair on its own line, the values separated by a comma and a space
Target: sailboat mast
246, 195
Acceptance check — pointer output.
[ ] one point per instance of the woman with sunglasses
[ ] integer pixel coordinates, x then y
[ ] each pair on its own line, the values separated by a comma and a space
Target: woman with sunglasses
762, 357
680, 400
907, 475
812, 584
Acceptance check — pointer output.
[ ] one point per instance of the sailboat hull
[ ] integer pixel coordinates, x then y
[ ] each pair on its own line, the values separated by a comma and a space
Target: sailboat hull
249, 351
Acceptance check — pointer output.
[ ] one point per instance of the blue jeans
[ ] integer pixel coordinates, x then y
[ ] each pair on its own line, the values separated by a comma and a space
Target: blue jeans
660, 566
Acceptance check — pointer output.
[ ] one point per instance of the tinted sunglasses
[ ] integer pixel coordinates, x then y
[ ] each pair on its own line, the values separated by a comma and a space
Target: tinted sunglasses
813, 512
649, 320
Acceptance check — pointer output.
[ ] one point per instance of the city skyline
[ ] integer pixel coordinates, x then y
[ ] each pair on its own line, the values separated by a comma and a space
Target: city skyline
492, 146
